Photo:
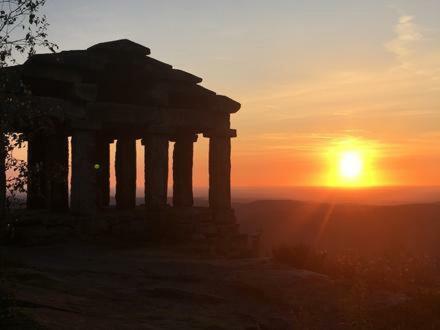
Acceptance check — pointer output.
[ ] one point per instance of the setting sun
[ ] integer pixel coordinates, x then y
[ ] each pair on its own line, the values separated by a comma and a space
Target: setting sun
352, 162
350, 165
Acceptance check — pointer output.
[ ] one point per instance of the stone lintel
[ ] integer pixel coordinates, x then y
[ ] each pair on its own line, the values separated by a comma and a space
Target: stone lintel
220, 133
187, 136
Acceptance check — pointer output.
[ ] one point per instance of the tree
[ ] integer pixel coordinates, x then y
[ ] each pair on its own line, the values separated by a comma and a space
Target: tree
22, 30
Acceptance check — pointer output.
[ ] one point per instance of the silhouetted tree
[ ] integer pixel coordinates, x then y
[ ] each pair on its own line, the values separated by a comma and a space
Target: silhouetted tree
22, 30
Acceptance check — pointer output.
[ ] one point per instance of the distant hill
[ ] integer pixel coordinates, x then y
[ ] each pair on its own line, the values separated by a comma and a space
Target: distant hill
345, 227
391, 195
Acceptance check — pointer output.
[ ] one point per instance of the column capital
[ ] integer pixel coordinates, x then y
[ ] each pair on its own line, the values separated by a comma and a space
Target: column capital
104, 138
231, 133
185, 136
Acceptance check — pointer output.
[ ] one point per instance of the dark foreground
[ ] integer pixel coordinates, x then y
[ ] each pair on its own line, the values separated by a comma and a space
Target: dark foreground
82, 286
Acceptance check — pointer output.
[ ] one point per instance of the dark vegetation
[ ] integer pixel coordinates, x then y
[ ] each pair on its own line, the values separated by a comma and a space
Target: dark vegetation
415, 278
23, 29
365, 249
400, 272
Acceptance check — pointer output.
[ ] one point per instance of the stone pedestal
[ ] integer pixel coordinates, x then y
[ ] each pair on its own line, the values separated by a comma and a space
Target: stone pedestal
102, 166
182, 171
156, 171
83, 194
126, 173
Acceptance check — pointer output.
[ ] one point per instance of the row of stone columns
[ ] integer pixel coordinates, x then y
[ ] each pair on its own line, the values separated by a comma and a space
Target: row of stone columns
90, 182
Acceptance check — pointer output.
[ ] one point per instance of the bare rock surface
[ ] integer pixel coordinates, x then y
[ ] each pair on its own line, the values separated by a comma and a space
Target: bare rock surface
83, 286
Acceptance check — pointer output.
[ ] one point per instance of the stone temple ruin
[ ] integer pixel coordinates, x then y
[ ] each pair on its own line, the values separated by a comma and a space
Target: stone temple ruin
114, 91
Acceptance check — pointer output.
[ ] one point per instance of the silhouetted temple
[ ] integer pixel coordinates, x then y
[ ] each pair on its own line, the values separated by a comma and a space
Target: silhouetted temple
115, 91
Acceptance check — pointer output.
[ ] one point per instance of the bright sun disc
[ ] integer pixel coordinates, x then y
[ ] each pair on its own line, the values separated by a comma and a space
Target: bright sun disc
350, 165
352, 162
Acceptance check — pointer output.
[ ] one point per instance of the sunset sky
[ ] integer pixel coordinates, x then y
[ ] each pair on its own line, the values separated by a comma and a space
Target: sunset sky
310, 75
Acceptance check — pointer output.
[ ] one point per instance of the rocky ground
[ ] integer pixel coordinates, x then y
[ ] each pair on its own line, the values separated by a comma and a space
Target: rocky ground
85, 286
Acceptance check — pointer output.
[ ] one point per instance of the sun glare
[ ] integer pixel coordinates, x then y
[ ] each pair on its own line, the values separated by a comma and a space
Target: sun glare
350, 164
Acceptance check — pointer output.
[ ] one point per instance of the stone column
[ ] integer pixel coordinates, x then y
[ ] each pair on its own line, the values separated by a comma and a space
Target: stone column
83, 194
182, 170
56, 168
48, 163
2, 175
220, 173
125, 164
156, 171
36, 192
102, 167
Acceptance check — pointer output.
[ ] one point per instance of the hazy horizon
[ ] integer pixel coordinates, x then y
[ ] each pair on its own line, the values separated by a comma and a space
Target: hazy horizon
390, 195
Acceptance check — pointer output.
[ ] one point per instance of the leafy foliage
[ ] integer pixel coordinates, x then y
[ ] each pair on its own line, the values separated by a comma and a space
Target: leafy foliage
22, 29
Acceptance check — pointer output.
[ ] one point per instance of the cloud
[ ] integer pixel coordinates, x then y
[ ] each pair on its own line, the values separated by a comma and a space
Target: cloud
407, 34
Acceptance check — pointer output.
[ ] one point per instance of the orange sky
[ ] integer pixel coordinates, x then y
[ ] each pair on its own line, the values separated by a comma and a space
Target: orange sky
309, 74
